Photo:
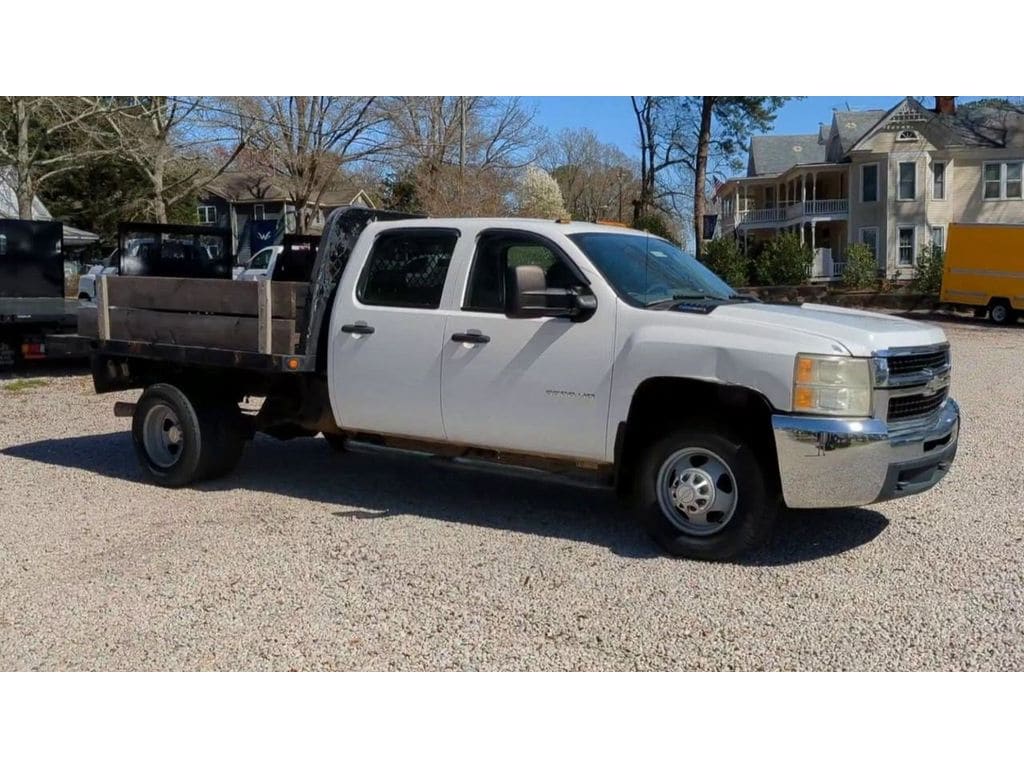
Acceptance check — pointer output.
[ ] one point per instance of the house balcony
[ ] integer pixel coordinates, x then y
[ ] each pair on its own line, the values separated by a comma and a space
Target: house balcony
793, 212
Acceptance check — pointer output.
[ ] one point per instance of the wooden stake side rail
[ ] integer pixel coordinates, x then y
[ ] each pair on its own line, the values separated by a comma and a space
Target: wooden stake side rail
257, 316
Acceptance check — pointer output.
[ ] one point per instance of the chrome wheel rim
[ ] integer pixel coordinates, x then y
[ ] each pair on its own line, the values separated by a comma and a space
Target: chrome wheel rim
162, 436
697, 491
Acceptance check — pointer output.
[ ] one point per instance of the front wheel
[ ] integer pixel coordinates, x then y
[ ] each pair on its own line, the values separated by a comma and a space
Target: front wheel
704, 496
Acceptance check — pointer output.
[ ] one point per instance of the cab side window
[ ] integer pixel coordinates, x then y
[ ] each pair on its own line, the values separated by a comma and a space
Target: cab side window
407, 268
496, 253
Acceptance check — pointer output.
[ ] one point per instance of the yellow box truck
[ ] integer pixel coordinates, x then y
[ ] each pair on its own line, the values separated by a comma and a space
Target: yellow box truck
984, 269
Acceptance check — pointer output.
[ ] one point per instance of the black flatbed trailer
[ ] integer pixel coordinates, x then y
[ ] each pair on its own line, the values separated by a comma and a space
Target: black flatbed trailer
36, 318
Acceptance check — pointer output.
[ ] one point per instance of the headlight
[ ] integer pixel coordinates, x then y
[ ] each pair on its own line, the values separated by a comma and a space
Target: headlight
832, 385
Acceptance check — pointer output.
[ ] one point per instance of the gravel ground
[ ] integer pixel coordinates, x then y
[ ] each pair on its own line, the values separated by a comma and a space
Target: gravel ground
304, 559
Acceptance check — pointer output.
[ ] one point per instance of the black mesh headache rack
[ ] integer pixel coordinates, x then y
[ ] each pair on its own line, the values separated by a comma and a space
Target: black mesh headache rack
155, 312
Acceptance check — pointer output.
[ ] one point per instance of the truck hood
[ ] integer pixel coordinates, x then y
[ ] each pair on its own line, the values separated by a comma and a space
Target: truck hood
861, 333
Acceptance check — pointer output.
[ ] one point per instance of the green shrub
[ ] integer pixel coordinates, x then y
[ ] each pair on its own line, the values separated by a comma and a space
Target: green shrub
784, 261
861, 267
928, 276
656, 225
723, 257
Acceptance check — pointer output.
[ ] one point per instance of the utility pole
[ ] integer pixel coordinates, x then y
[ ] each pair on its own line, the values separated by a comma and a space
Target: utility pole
462, 153
619, 175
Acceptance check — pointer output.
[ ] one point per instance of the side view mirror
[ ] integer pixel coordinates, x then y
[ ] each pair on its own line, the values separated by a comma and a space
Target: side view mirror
529, 296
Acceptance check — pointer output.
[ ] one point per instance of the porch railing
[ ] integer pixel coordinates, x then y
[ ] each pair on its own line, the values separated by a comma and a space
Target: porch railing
762, 216
824, 207
793, 211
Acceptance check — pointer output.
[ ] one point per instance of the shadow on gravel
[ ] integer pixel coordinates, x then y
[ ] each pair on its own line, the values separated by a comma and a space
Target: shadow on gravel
373, 485
811, 534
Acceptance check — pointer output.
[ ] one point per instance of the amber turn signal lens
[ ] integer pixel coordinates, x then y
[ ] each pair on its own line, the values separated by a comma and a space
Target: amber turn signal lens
804, 370
293, 363
803, 398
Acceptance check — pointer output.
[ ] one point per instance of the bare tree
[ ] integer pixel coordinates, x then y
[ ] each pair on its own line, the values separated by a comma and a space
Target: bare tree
597, 180
682, 136
305, 141
462, 152
42, 137
180, 144
661, 150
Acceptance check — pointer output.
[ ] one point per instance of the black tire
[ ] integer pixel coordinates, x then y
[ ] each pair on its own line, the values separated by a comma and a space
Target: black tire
1001, 313
754, 511
338, 443
226, 437
201, 440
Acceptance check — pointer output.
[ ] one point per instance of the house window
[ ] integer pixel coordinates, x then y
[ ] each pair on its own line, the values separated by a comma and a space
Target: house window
906, 247
1002, 181
207, 214
769, 197
938, 237
869, 237
939, 181
258, 212
869, 183
907, 136
907, 181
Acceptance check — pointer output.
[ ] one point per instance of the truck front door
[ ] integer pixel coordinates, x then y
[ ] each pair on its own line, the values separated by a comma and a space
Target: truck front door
538, 385
386, 335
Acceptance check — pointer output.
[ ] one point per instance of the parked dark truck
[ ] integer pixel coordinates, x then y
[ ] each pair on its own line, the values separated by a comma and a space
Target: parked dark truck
33, 307
566, 346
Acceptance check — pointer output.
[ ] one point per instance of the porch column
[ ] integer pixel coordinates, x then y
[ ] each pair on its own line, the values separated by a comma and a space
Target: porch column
802, 235
813, 227
814, 185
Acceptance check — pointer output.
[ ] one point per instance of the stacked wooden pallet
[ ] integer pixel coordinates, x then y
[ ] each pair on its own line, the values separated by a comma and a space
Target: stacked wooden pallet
250, 316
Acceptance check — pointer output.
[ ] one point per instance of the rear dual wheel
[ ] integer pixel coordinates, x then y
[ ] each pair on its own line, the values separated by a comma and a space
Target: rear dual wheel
180, 440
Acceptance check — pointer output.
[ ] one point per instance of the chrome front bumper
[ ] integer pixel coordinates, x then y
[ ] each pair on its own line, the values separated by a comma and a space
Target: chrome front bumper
831, 462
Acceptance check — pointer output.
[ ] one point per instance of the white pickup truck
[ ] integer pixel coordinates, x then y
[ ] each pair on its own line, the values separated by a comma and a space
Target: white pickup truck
567, 346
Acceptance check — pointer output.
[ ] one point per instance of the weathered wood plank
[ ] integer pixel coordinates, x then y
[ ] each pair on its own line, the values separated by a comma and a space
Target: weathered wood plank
264, 316
215, 331
103, 307
189, 294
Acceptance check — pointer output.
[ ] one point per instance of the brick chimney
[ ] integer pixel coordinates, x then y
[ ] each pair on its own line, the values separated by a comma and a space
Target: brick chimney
945, 105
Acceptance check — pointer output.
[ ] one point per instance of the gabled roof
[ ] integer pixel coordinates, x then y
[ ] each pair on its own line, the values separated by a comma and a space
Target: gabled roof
258, 187
247, 187
770, 155
851, 127
983, 124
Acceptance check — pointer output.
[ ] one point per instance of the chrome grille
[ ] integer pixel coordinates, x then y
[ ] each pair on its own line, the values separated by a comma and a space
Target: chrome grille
916, 406
908, 364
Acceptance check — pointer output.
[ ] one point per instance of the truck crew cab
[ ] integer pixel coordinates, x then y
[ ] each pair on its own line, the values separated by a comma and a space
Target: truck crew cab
566, 345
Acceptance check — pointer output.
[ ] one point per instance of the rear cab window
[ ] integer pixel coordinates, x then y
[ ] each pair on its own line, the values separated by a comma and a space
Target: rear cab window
407, 268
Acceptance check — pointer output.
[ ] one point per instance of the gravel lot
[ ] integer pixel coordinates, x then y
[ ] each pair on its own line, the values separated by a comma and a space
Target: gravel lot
304, 559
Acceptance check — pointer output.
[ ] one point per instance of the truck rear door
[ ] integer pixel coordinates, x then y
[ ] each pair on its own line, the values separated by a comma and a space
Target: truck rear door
387, 330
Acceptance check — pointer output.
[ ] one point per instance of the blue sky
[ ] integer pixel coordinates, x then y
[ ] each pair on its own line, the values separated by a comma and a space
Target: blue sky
611, 117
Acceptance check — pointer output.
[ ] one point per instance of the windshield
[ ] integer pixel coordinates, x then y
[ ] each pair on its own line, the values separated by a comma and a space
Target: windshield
648, 270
